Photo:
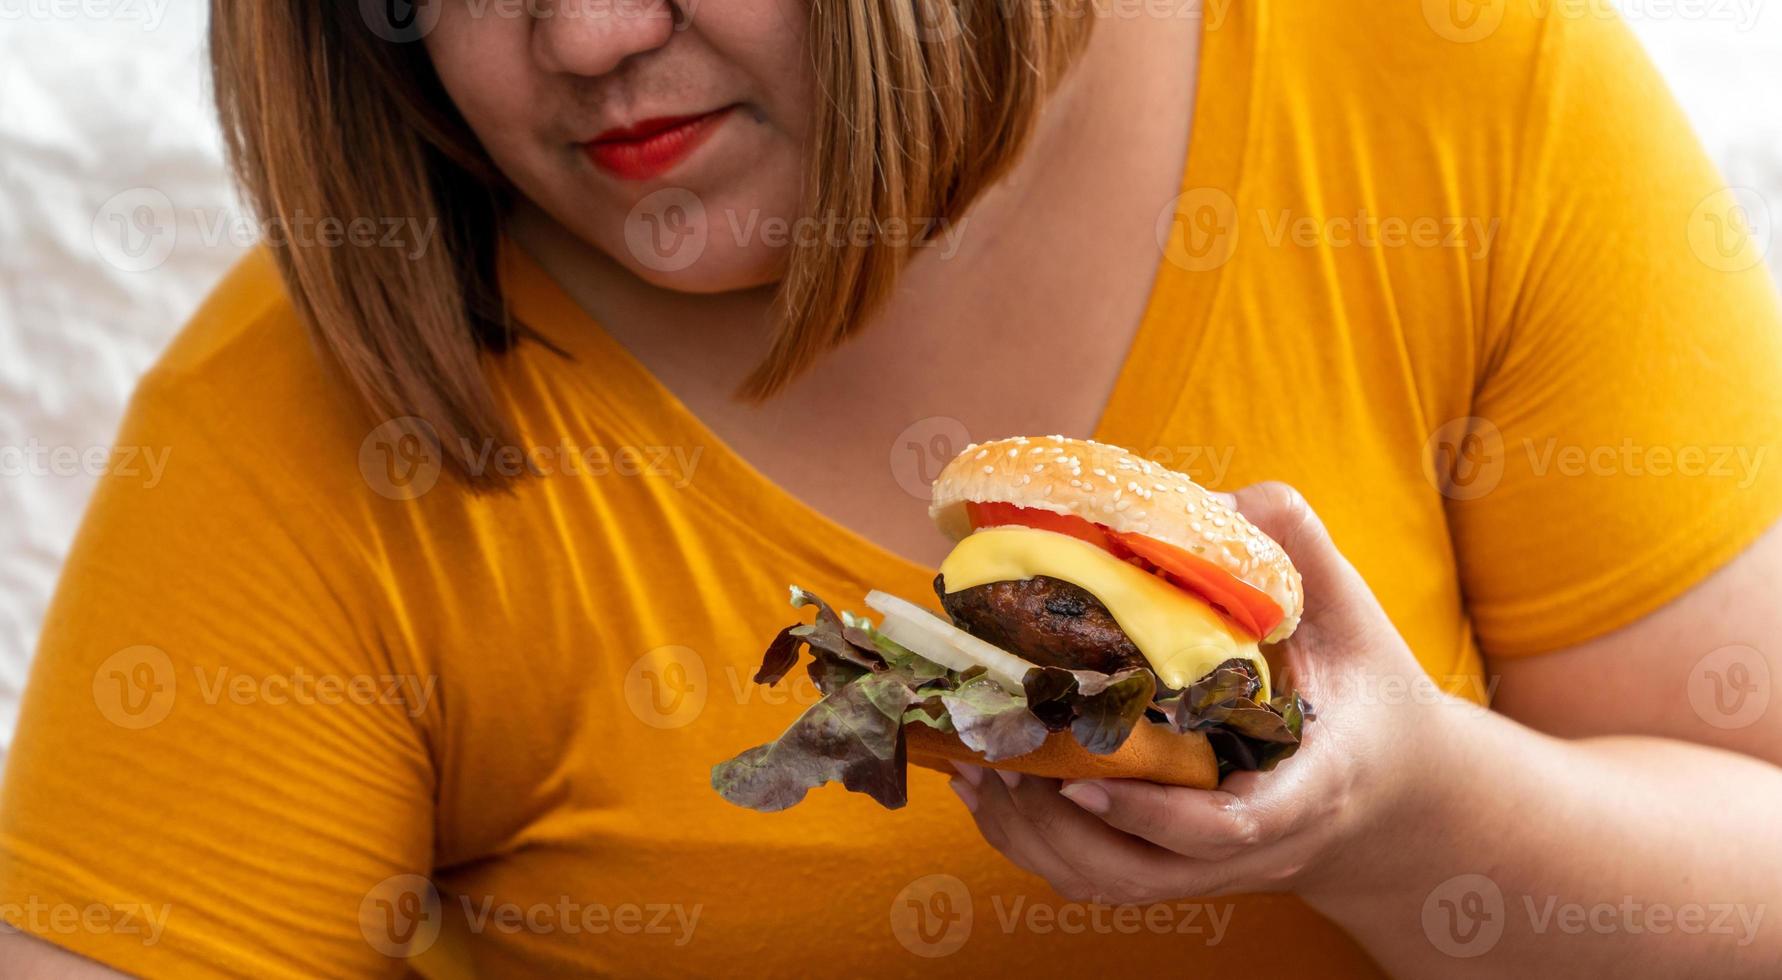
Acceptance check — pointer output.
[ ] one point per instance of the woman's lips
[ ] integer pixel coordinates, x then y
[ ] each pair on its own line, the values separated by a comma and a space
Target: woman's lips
652, 147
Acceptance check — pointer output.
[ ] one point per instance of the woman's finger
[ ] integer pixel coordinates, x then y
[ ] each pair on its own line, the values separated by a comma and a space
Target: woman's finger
1337, 600
1205, 825
1120, 868
1008, 831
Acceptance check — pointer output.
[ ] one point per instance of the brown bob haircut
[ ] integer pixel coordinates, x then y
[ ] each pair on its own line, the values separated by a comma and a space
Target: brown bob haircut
924, 104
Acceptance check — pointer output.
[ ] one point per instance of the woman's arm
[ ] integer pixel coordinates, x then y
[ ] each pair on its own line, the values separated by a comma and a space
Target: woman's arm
1657, 797
1649, 819
1448, 839
1701, 669
167, 681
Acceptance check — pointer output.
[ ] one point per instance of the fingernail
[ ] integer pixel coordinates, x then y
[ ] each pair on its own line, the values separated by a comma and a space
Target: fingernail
972, 774
1228, 499
964, 791
1089, 796
1009, 779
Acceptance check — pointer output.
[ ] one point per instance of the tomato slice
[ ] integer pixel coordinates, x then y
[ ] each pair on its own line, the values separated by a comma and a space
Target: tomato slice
996, 513
1245, 605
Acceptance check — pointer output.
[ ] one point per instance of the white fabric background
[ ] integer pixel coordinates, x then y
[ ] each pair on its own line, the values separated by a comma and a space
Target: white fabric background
93, 107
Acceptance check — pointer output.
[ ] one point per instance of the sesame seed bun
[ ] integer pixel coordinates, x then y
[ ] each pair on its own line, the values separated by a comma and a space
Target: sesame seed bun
1122, 491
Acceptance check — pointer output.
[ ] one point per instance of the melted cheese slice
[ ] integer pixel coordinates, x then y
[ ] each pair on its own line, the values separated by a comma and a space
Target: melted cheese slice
1180, 635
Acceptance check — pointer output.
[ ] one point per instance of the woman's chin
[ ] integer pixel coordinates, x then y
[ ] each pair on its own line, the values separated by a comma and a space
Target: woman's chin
712, 271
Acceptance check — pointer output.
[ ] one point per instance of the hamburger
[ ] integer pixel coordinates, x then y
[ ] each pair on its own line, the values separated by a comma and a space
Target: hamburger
1100, 616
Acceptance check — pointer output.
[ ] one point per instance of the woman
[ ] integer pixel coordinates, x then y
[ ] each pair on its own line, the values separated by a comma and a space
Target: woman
421, 650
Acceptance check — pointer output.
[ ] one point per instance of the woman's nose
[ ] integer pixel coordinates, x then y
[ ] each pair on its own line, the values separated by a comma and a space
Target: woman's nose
593, 37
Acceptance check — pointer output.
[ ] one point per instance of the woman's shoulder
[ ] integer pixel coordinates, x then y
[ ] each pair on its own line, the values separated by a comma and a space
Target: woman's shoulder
1469, 61
245, 335
243, 375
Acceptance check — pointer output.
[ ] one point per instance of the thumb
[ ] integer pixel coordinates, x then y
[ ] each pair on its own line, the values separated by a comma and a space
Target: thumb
1337, 600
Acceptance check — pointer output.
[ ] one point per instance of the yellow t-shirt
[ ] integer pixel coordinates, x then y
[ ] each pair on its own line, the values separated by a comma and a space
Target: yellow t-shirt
271, 689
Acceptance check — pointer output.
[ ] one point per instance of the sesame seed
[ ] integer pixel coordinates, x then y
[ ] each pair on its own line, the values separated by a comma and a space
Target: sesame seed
982, 453
989, 469
1122, 505
1014, 452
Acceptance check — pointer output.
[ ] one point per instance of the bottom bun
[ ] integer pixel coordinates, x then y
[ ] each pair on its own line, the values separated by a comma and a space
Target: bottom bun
1152, 752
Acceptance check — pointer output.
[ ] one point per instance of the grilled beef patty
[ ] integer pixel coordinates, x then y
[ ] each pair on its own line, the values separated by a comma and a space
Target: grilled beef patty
1046, 620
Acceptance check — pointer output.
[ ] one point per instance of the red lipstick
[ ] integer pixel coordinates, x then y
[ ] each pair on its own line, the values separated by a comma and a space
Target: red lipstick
652, 147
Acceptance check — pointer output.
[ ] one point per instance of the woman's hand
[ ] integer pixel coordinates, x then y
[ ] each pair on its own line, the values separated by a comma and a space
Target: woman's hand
1322, 817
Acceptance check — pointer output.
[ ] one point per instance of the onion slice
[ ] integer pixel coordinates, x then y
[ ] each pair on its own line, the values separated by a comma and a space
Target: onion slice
930, 636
